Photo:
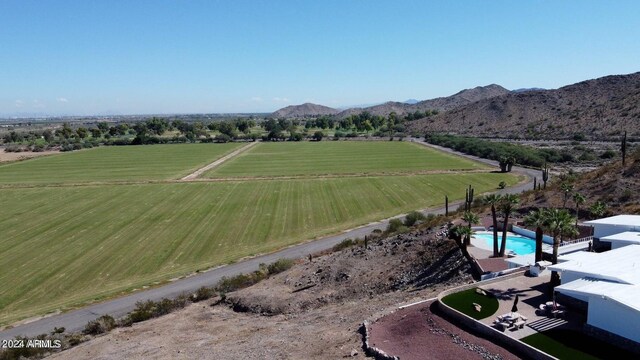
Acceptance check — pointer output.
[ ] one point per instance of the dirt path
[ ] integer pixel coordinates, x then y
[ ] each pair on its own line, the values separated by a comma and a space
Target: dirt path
216, 163
13, 156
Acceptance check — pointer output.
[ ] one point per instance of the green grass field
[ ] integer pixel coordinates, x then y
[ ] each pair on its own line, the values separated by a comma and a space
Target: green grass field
115, 163
338, 157
65, 245
463, 301
572, 344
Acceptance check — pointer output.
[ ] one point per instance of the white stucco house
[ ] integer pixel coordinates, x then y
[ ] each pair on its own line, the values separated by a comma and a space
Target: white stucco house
609, 283
614, 225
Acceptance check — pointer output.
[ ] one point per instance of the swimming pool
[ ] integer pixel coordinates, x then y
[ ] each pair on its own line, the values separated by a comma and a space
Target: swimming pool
518, 244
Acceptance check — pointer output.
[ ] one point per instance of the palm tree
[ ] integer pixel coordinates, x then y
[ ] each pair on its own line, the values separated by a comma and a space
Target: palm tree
457, 233
507, 205
579, 199
558, 222
470, 218
464, 232
536, 218
493, 200
598, 209
566, 193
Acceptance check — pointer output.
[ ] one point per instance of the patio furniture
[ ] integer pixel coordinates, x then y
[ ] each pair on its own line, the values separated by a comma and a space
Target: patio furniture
519, 324
503, 325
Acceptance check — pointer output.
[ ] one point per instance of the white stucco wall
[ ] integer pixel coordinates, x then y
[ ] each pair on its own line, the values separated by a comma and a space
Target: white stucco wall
614, 317
602, 230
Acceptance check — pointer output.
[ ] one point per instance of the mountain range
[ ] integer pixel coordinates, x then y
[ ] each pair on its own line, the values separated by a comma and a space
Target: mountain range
596, 109
461, 98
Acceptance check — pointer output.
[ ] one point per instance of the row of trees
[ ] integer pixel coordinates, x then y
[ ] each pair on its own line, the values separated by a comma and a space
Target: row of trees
505, 153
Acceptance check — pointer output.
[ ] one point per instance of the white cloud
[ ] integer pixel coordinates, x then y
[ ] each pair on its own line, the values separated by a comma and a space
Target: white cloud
257, 99
37, 104
279, 99
19, 103
61, 99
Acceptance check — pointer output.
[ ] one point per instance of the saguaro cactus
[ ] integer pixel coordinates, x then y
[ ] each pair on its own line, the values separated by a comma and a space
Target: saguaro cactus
545, 175
535, 179
623, 148
446, 205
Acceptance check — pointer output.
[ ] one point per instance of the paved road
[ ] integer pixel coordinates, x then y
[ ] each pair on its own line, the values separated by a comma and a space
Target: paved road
77, 319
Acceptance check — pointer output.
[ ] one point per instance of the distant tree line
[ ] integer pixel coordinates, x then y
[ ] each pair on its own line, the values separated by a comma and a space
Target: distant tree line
505, 153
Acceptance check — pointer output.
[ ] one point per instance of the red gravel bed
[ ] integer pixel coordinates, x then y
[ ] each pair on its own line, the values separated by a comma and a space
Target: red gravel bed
418, 333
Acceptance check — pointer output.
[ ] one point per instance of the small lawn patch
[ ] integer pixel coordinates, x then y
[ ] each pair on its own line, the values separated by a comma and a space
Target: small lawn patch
464, 302
571, 344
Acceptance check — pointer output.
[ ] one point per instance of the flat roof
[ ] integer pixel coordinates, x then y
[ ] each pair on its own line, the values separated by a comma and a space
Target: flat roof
627, 236
522, 260
619, 265
625, 294
629, 220
578, 256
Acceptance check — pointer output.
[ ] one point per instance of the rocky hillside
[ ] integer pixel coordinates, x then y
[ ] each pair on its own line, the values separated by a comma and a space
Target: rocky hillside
598, 109
447, 103
304, 110
616, 186
441, 104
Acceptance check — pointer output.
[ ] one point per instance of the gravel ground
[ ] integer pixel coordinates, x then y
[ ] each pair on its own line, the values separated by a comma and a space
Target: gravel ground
418, 332
283, 318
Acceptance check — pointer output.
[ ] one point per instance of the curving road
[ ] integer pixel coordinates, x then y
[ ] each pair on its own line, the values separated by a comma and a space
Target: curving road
76, 320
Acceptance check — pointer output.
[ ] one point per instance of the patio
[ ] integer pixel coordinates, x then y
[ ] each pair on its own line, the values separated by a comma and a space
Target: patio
532, 292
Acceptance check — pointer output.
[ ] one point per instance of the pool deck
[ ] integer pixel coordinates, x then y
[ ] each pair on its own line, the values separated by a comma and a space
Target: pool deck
532, 292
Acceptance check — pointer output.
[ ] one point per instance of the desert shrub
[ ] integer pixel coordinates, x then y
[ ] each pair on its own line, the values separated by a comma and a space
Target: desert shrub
394, 225
587, 156
100, 325
143, 311
343, 244
279, 266
608, 154
234, 283
413, 217
626, 195
502, 185
203, 293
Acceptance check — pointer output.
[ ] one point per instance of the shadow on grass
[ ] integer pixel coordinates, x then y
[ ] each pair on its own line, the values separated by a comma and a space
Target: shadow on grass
573, 344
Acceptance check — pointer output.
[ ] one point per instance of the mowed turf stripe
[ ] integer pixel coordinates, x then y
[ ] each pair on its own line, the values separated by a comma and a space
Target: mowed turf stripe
114, 163
107, 239
338, 157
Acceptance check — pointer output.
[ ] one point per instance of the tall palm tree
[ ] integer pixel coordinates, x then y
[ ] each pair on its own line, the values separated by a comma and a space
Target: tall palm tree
579, 199
566, 189
470, 218
559, 222
536, 218
464, 232
493, 200
507, 205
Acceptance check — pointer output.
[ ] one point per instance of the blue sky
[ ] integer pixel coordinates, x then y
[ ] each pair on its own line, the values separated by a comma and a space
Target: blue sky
133, 57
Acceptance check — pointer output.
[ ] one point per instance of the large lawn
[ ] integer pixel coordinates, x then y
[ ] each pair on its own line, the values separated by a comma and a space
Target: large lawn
115, 163
338, 157
571, 344
64, 246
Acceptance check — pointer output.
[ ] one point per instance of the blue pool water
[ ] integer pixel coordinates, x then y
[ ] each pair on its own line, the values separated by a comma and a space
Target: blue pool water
518, 244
